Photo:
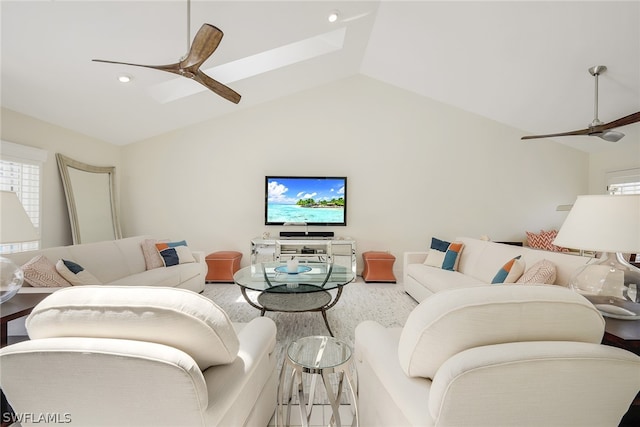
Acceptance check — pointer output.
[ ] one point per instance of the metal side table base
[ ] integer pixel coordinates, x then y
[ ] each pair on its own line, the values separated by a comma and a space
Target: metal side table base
321, 357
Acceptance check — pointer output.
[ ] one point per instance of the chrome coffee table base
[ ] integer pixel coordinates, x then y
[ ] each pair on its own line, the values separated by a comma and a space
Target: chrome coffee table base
272, 300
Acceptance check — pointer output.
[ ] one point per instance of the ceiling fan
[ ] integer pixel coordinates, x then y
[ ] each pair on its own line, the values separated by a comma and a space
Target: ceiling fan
597, 128
204, 44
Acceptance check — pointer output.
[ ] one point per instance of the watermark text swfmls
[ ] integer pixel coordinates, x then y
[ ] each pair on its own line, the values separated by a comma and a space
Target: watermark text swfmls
33, 418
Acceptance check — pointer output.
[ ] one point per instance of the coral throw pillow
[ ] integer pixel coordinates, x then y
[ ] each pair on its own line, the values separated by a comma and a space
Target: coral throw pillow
544, 240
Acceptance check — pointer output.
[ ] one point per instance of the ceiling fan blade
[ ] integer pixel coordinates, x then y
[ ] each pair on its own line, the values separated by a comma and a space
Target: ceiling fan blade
624, 121
574, 132
217, 87
172, 68
204, 44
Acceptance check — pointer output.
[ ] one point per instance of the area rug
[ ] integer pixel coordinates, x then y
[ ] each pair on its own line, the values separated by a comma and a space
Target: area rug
386, 303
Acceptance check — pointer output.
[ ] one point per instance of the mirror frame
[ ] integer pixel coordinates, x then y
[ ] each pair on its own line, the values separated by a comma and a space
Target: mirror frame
64, 164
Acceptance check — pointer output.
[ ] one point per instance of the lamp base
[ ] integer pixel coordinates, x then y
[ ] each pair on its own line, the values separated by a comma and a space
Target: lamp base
612, 285
11, 278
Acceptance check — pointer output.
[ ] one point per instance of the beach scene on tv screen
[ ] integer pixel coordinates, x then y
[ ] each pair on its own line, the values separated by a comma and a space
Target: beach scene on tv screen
305, 200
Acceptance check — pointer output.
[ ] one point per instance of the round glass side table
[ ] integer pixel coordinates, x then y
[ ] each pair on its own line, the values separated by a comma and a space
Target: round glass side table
321, 357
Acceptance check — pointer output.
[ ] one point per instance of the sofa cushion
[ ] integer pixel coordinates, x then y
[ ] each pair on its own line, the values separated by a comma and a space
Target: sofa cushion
169, 276
543, 271
171, 316
510, 272
41, 272
436, 279
451, 321
486, 258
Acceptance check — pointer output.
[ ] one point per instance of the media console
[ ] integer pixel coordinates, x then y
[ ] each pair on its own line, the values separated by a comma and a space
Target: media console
339, 251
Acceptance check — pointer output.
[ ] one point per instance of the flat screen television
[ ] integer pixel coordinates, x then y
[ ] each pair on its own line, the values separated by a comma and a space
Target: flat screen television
312, 200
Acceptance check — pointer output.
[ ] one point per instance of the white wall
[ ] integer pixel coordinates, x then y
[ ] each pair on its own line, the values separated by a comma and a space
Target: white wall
26, 130
416, 168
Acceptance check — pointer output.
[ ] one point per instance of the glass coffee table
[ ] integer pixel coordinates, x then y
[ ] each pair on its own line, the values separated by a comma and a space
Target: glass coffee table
302, 291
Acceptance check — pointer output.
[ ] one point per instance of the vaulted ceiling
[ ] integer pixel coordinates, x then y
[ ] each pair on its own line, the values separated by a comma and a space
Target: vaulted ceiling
523, 64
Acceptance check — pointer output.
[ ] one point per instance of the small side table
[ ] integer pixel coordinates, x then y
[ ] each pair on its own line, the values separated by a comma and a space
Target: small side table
319, 356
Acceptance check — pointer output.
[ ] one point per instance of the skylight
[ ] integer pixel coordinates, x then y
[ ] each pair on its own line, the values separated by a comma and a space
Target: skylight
253, 65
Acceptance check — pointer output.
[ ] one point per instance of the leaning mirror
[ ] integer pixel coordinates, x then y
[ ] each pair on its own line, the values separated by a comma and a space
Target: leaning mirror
91, 201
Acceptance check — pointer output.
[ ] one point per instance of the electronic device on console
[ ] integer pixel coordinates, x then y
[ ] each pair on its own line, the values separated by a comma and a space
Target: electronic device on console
306, 234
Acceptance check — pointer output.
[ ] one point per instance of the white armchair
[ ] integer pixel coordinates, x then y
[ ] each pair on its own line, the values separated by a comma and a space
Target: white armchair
495, 356
140, 356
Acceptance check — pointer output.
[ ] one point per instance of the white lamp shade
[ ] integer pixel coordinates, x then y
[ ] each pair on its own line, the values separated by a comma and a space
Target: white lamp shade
15, 225
602, 223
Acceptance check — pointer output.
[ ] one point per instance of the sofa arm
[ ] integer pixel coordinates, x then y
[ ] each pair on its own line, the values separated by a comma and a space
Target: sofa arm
412, 258
199, 256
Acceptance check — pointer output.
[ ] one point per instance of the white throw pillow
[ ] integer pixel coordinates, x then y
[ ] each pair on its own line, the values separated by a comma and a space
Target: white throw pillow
75, 273
172, 316
435, 258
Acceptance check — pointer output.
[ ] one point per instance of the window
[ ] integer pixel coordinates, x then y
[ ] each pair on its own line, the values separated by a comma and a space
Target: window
20, 172
624, 182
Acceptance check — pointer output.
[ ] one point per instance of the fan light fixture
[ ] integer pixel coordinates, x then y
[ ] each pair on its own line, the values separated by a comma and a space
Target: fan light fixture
596, 127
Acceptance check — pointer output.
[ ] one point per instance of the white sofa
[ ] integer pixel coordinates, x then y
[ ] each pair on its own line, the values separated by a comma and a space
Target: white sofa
493, 356
140, 356
120, 262
479, 262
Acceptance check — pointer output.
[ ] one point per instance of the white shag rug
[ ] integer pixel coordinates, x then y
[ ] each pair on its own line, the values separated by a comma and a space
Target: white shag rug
386, 303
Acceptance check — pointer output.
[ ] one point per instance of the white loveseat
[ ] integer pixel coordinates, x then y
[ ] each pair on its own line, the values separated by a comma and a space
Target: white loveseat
120, 262
494, 356
479, 262
140, 356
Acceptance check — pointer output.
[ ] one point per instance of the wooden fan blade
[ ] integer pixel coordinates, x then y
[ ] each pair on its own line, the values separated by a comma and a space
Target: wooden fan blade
217, 87
624, 121
204, 44
575, 132
172, 68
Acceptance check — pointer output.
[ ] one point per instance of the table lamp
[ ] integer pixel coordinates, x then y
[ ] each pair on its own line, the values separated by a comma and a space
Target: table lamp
610, 225
15, 226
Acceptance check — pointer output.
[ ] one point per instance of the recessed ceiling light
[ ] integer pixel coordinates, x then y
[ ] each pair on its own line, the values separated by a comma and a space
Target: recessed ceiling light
333, 16
123, 78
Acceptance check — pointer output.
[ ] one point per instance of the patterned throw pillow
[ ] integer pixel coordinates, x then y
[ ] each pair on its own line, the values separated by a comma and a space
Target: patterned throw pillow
75, 273
437, 252
41, 272
444, 255
543, 271
152, 258
510, 272
174, 253
452, 257
544, 240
